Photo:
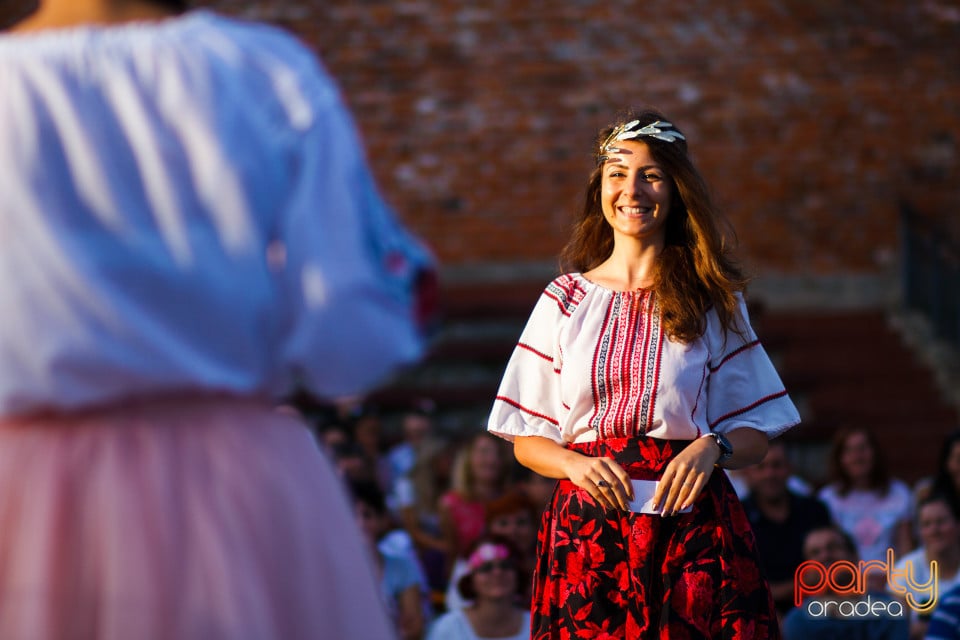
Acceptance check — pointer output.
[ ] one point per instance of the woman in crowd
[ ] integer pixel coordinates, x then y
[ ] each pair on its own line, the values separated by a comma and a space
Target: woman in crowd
491, 584
478, 476
872, 507
511, 516
417, 496
938, 523
946, 480
636, 377
189, 233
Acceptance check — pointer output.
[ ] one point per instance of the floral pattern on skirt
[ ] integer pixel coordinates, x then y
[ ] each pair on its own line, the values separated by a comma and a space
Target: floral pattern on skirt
607, 574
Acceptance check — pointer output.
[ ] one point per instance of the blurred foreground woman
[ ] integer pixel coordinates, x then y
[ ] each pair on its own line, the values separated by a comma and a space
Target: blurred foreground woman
190, 232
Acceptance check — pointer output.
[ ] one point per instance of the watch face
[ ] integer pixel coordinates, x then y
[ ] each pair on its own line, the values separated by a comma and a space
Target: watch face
726, 443
726, 449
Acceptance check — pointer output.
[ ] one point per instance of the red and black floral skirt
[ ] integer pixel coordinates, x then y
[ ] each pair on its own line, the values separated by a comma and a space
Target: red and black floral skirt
611, 574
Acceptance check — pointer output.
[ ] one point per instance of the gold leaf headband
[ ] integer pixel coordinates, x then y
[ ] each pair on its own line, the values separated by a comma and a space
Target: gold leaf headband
661, 130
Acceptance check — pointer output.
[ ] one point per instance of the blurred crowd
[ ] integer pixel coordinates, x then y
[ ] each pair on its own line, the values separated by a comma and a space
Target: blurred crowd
452, 527
908, 537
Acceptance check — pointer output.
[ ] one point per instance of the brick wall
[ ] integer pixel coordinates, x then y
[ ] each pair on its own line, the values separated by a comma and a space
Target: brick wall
814, 121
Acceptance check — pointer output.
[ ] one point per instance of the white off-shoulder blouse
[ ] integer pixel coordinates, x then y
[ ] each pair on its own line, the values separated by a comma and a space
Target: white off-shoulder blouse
595, 363
185, 206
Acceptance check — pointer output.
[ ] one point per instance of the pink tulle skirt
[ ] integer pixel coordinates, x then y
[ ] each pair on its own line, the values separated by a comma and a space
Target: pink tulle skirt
178, 519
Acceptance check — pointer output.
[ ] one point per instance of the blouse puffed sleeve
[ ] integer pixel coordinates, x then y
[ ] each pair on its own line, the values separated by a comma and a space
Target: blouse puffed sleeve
353, 277
743, 387
528, 401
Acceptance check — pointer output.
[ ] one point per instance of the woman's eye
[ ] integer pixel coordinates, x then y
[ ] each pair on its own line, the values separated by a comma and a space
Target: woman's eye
652, 177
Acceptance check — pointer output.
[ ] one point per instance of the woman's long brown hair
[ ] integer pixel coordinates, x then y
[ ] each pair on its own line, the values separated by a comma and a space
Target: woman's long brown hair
696, 269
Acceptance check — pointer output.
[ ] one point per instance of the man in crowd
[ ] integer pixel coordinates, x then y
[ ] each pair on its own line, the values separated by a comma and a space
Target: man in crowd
829, 615
781, 520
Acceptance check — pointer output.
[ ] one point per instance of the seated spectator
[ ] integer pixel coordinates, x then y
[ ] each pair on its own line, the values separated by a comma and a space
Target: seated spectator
514, 518
417, 500
492, 585
351, 462
781, 520
402, 584
819, 618
416, 426
332, 436
946, 480
479, 476
367, 430
939, 526
539, 489
945, 621
738, 478
875, 509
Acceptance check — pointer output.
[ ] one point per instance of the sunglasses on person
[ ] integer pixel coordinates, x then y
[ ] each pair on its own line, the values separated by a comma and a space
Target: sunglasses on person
486, 567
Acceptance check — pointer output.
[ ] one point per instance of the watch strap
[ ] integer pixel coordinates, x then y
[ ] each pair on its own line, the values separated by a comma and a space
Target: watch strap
726, 449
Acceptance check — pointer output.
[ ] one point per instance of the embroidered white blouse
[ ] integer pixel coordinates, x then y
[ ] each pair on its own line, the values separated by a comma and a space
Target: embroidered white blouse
185, 205
595, 363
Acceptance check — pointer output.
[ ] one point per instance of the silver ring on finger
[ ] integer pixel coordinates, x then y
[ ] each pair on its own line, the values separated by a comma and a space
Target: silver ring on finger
603, 483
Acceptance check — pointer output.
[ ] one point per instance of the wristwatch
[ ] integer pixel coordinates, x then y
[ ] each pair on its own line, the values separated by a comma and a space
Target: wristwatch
726, 449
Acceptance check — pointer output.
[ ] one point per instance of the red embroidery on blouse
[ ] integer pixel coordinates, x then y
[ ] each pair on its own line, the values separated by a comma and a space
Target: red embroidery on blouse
626, 366
567, 292
536, 414
628, 370
733, 354
696, 402
597, 373
653, 361
535, 352
750, 406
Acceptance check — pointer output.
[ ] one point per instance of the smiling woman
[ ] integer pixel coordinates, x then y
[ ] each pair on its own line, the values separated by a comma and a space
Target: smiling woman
492, 584
864, 499
638, 370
